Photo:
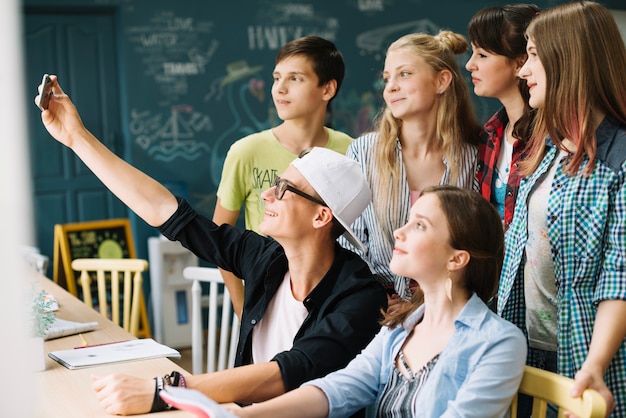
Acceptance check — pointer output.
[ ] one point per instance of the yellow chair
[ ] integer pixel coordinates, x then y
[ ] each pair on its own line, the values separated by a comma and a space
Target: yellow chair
109, 269
546, 387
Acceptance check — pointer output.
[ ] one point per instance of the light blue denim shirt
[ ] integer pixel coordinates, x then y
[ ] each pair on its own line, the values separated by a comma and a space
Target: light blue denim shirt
477, 374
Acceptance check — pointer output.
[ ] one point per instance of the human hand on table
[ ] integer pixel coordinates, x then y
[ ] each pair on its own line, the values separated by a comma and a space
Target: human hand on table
120, 394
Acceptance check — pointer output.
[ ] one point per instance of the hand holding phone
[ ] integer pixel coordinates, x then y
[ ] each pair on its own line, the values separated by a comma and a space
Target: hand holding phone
45, 92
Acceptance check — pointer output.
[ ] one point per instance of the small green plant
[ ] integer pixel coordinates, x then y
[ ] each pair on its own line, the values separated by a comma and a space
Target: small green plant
42, 314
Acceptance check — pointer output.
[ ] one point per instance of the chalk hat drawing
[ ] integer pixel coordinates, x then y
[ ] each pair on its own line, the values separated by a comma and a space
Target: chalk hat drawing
238, 70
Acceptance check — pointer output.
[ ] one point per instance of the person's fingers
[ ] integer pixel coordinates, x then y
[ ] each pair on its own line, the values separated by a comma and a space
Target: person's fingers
581, 382
56, 88
584, 379
97, 382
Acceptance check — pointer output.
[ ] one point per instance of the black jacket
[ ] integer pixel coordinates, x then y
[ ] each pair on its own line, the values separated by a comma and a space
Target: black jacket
344, 308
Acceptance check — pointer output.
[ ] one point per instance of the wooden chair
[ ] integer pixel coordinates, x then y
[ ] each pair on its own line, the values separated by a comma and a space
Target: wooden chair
222, 357
110, 269
546, 387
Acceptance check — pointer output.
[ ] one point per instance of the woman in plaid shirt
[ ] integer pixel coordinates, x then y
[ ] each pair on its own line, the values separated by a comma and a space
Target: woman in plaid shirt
498, 52
564, 275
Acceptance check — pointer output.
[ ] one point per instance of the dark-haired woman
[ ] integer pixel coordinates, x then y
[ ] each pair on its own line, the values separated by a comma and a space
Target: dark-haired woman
499, 51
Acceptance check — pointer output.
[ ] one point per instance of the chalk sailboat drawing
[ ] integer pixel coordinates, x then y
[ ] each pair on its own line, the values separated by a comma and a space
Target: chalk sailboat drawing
178, 138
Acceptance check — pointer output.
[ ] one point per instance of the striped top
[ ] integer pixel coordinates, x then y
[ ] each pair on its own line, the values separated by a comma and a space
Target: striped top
367, 227
477, 373
398, 398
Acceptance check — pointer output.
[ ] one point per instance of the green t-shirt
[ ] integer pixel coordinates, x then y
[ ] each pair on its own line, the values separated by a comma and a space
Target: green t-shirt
251, 165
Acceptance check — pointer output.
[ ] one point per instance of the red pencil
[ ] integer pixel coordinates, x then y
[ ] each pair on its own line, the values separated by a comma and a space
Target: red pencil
96, 345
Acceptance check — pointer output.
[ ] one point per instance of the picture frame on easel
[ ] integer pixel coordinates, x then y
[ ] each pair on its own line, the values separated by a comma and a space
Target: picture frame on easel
109, 238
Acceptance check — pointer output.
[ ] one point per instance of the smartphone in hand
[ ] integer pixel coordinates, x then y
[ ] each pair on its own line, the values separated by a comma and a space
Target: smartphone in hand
46, 92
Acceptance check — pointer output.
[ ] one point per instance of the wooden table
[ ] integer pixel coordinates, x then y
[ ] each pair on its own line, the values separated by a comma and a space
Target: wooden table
67, 393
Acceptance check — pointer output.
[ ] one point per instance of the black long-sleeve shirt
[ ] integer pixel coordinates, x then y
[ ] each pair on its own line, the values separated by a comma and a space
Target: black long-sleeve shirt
343, 309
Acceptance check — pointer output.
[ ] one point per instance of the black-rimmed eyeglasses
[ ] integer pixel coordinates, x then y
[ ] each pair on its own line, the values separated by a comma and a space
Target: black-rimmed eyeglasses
281, 186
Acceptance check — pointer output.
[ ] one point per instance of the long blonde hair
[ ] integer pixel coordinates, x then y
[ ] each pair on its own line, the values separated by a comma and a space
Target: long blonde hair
456, 124
580, 48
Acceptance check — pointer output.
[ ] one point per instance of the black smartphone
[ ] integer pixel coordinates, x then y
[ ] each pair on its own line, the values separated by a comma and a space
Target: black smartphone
46, 92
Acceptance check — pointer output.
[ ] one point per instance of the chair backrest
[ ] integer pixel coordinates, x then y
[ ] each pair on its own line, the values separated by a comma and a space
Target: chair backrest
546, 387
222, 356
127, 270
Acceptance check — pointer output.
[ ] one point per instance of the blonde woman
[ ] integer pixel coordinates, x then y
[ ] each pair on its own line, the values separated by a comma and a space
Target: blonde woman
426, 136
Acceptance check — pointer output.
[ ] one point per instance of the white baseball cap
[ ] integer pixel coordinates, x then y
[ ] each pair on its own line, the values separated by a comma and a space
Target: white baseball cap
341, 184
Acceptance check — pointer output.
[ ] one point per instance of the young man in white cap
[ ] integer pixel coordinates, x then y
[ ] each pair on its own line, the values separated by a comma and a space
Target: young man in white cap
307, 77
310, 306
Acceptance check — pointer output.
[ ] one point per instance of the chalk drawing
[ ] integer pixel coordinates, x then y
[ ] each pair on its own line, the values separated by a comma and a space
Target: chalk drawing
377, 40
371, 5
238, 87
173, 136
171, 49
288, 22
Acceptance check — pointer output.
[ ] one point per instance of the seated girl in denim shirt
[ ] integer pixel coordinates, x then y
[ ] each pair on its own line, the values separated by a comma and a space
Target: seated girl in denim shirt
446, 355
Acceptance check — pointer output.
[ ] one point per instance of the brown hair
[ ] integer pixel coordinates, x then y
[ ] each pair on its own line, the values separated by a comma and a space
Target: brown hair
483, 240
326, 60
501, 30
580, 49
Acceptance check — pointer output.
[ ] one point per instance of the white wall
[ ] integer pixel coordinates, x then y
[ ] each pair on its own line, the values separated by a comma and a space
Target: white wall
18, 393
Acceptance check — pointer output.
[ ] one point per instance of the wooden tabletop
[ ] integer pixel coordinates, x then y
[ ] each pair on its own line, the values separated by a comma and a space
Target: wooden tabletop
67, 393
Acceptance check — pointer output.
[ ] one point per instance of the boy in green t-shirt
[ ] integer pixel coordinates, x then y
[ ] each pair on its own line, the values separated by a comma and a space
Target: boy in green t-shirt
307, 76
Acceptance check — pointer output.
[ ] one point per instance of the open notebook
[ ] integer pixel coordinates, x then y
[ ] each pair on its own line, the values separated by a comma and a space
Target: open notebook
132, 350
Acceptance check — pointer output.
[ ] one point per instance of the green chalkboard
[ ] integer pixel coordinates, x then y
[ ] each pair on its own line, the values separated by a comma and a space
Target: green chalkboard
192, 77
202, 73
110, 238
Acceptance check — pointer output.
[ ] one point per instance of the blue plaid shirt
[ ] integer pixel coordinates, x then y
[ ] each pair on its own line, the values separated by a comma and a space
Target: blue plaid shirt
587, 230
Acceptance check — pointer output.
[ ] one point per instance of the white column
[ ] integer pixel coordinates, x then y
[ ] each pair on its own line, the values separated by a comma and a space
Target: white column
18, 393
